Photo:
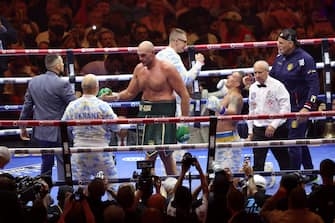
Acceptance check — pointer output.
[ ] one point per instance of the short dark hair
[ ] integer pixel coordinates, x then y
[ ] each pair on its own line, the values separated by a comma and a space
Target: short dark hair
290, 35
50, 60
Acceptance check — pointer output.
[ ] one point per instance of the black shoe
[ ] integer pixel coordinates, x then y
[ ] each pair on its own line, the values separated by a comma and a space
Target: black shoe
309, 178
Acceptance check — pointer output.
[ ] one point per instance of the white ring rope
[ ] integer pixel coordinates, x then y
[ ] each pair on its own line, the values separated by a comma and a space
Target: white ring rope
172, 147
126, 77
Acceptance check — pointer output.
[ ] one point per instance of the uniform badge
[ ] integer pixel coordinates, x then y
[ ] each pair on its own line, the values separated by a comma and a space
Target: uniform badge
301, 62
289, 66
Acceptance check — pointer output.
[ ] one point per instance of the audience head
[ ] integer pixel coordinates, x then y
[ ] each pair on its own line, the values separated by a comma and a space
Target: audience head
96, 188
156, 201
63, 192
327, 168
7, 182
169, 184
152, 215
126, 195
221, 183
260, 182
182, 198
90, 85
290, 181
5, 156
235, 200
114, 214
297, 198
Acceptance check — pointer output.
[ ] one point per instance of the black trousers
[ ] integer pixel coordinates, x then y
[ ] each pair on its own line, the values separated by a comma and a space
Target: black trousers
281, 153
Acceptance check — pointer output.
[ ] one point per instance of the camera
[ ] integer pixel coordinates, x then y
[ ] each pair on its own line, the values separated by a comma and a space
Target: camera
145, 178
188, 160
29, 188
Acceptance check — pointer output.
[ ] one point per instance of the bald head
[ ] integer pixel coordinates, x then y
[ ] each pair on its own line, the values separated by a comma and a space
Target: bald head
90, 84
263, 64
261, 71
146, 53
146, 46
4, 156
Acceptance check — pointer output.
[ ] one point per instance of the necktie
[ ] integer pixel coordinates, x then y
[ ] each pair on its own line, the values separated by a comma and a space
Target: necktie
261, 85
122, 142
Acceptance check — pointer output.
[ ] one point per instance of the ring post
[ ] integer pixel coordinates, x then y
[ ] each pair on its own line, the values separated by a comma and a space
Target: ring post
329, 126
196, 89
66, 153
211, 143
70, 67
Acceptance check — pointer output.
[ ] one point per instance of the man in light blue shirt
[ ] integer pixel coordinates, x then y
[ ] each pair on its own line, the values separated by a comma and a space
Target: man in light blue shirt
87, 165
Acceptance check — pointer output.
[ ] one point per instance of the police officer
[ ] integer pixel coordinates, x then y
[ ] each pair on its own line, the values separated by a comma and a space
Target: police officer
295, 68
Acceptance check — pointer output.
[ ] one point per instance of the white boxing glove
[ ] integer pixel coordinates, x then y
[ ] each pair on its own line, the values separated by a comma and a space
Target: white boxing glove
214, 104
221, 85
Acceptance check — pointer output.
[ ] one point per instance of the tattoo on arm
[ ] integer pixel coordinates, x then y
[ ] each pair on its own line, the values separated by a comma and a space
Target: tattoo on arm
235, 105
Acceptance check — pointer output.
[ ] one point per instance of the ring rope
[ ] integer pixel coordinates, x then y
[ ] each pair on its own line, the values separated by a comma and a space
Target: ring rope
127, 77
163, 120
221, 46
128, 104
172, 147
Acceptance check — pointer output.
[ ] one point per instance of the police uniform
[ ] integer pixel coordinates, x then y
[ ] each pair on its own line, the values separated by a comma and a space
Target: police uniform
297, 72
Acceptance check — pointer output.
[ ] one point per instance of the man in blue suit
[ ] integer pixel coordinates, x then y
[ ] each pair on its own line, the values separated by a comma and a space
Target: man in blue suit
46, 98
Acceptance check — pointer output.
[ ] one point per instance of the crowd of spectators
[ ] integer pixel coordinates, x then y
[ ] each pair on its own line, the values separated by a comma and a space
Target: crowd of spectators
112, 23
221, 199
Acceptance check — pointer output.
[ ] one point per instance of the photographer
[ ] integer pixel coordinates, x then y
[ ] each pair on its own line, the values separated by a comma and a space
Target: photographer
15, 193
322, 198
9, 201
5, 156
180, 207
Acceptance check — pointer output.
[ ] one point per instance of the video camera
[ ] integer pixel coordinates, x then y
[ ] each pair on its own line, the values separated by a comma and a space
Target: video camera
188, 160
144, 179
29, 188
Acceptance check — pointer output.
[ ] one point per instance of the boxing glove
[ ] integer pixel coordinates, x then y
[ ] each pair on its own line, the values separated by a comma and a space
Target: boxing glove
183, 133
214, 104
104, 91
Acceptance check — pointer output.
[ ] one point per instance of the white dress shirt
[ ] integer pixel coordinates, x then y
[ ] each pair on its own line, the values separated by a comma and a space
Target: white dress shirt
271, 99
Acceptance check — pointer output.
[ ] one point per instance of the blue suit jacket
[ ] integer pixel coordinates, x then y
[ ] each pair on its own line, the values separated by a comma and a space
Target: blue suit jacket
46, 99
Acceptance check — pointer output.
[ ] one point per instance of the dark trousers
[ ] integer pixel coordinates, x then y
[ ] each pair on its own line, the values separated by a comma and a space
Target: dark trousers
299, 154
281, 153
48, 159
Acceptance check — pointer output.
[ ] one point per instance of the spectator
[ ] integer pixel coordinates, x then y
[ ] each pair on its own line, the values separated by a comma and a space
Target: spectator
322, 198
8, 35
55, 211
235, 203
5, 156
217, 203
180, 207
57, 25
297, 209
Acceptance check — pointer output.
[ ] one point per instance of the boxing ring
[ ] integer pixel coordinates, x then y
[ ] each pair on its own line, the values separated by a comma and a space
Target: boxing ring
210, 147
